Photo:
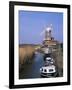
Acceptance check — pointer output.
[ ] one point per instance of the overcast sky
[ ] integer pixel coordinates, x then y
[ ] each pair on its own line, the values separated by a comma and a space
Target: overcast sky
31, 24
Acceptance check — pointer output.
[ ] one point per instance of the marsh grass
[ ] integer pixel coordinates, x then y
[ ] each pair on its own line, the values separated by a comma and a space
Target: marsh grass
26, 54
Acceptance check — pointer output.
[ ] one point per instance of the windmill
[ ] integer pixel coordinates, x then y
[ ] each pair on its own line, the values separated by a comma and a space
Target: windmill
47, 32
47, 39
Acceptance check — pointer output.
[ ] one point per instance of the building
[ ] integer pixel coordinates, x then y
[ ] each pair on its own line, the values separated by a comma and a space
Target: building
49, 40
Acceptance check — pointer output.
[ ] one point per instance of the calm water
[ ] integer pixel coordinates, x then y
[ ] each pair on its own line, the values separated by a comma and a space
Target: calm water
32, 70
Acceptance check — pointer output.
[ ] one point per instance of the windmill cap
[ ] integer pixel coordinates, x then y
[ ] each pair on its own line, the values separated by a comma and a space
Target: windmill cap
48, 29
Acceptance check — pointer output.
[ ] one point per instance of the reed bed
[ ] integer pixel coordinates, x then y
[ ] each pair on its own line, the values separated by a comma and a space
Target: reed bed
26, 53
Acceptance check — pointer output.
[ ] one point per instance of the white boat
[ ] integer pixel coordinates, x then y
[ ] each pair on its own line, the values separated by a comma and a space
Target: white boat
49, 60
48, 71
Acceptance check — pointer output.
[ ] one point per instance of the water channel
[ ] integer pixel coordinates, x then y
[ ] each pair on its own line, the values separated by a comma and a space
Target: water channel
32, 70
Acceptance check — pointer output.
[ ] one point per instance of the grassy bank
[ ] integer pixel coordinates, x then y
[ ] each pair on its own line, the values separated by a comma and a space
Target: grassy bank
26, 53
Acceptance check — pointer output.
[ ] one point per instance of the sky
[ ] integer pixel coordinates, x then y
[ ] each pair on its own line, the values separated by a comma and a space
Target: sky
32, 23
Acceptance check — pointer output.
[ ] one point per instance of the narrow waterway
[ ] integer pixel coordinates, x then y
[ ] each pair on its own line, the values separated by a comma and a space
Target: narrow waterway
32, 70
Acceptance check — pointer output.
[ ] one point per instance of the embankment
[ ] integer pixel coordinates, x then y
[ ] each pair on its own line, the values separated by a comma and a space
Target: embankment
58, 57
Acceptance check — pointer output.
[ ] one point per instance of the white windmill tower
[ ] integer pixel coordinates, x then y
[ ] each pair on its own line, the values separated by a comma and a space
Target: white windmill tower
47, 32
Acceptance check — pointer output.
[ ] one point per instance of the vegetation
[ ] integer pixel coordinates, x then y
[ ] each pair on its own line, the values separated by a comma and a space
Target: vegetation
26, 54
